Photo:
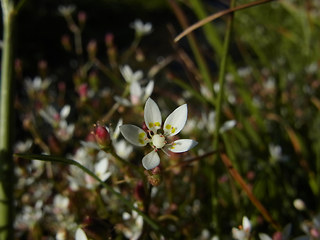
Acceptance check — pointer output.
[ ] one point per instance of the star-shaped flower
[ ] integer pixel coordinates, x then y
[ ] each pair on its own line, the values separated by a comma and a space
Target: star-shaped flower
157, 137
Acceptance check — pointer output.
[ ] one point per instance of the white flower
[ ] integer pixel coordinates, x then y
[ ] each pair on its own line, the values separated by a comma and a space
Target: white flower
66, 10
134, 225
129, 75
138, 93
36, 85
208, 121
243, 232
21, 147
53, 117
156, 137
141, 28
122, 149
63, 130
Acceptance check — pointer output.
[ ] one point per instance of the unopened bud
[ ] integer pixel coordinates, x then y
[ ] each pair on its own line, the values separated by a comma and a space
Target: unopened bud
154, 176
82, 18
109, 39
92, 49
94, 81
102, 136
65, 41
83, 91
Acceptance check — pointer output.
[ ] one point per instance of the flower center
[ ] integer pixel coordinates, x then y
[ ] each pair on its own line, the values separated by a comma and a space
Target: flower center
158, 140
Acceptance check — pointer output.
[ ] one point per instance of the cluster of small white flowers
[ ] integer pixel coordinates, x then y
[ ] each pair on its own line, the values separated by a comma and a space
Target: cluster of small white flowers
98, 164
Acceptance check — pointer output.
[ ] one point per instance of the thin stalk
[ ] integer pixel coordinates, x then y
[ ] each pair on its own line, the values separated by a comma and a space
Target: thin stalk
222, 72
218, 106
6, 123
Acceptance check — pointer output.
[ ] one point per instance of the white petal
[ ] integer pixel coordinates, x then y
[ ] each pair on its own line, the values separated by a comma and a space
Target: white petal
182, 145
148, 90
264, 236
135, 89
151, 160
246, 224
134, 134
138, 75
238, 234
65, 111
102, 166
227, 125
122, 101
152, 115
80, 235
176, 121
126, 73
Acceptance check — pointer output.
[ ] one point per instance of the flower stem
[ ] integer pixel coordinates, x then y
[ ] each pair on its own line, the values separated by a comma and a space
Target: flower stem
6, 123
218, 105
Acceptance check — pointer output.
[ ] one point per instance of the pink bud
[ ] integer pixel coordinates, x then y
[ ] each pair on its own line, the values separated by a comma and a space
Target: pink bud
109, 39
92, 48
83, 91
65, 41
82, 17
102, 136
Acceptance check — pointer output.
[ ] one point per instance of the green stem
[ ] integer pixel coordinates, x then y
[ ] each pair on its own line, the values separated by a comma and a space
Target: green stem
218, 105
6, 123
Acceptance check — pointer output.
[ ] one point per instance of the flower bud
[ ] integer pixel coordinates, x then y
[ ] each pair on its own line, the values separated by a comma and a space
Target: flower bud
65, 41
92, 49
154, 176
102, 136
83, 91
109, 39
82, 18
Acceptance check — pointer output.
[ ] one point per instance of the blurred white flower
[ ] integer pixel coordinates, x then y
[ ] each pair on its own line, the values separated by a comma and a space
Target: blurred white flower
299, 204
29, 215
141, 28
129, 75
98, 164
66, 10
133, 225
243, 231
36, 85
208, 121
138, 92
21, 147
57, 120
61, 204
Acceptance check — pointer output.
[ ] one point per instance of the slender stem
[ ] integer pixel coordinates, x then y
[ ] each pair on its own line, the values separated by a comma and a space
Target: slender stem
6, 124
218, 105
